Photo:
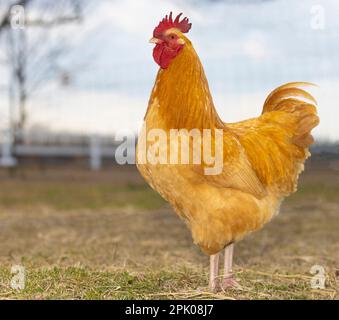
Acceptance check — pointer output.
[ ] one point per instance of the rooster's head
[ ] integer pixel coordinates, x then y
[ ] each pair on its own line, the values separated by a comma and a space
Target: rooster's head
169, 39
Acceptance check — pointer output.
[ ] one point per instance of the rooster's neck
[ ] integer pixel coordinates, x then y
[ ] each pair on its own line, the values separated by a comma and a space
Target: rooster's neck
181, 97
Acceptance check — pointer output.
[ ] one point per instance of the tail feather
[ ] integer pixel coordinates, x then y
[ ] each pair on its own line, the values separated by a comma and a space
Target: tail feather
288, 90
289, 98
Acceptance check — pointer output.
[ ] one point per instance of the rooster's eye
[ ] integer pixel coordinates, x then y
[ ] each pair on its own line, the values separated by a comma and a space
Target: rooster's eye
172, 37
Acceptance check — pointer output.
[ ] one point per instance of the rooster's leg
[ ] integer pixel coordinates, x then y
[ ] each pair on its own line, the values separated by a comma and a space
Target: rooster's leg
214, 271
228, 278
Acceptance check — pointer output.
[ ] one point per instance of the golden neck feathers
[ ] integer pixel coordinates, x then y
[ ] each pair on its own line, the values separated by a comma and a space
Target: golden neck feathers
181, 97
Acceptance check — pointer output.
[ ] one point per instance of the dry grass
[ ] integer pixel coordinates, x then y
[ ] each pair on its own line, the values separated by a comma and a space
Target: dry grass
108, 236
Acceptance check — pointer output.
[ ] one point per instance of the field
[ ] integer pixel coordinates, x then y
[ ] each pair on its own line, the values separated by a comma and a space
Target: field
106, 235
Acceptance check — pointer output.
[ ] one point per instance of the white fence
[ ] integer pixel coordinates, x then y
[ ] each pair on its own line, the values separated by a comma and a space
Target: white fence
94, 151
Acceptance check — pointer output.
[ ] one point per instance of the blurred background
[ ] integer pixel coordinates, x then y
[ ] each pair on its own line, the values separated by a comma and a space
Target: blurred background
76, 76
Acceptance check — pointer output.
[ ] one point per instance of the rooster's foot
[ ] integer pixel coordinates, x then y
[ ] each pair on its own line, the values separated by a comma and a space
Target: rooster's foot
228, 282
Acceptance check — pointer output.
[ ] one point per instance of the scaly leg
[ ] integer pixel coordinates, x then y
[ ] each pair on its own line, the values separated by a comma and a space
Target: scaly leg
228, 279
214, 271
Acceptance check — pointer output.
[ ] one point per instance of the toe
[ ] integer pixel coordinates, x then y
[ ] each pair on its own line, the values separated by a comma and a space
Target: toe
229, 283
214, 286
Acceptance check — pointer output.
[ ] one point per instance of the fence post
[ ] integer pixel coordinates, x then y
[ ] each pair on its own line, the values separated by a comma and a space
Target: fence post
95, 153
7, 159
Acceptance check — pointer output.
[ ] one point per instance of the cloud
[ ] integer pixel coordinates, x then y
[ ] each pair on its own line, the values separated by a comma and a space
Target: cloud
246, 50
89, 112
256, 46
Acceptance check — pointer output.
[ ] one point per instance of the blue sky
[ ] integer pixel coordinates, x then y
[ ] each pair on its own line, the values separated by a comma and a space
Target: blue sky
247, 48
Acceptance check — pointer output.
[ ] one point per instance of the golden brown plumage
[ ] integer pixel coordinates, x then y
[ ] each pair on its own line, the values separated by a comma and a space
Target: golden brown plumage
262, 156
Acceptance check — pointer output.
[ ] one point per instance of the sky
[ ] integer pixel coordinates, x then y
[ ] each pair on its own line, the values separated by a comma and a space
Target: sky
247, 48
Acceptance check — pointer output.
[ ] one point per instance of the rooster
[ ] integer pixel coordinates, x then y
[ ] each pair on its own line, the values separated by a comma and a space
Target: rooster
261, 157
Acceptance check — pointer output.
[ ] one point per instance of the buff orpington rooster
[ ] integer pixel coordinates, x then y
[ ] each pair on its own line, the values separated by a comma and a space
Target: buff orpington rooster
261, 157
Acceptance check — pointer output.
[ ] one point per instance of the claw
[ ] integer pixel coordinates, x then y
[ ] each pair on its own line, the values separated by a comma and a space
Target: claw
228, 282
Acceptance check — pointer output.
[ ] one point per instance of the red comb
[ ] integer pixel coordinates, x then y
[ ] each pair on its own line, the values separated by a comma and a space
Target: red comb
168, 23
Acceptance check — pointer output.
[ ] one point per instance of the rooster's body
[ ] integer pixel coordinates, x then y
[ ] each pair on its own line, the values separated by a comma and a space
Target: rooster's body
262, 157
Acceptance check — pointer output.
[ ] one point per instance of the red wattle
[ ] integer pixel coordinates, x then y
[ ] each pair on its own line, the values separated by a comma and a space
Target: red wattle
163, 55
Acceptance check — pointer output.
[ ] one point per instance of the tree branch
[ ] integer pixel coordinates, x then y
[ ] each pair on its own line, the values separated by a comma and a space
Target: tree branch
55, 22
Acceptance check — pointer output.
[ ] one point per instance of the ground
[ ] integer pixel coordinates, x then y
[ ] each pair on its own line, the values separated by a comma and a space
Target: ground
106, 235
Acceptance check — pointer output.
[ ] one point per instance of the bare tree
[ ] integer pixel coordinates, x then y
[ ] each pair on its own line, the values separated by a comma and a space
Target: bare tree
34, 61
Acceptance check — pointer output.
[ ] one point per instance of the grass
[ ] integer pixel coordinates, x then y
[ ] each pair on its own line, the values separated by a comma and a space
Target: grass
83, 283
105, 236
315, 191
77, 195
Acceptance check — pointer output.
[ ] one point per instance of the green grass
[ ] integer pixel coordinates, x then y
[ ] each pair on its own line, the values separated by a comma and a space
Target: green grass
316, 191
77, 195
84, 283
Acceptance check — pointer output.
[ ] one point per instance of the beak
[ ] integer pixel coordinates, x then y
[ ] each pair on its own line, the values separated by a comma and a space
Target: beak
181, 41
155, 40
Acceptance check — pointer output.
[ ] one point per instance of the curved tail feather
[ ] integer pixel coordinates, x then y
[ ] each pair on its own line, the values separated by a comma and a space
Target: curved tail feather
289, 98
